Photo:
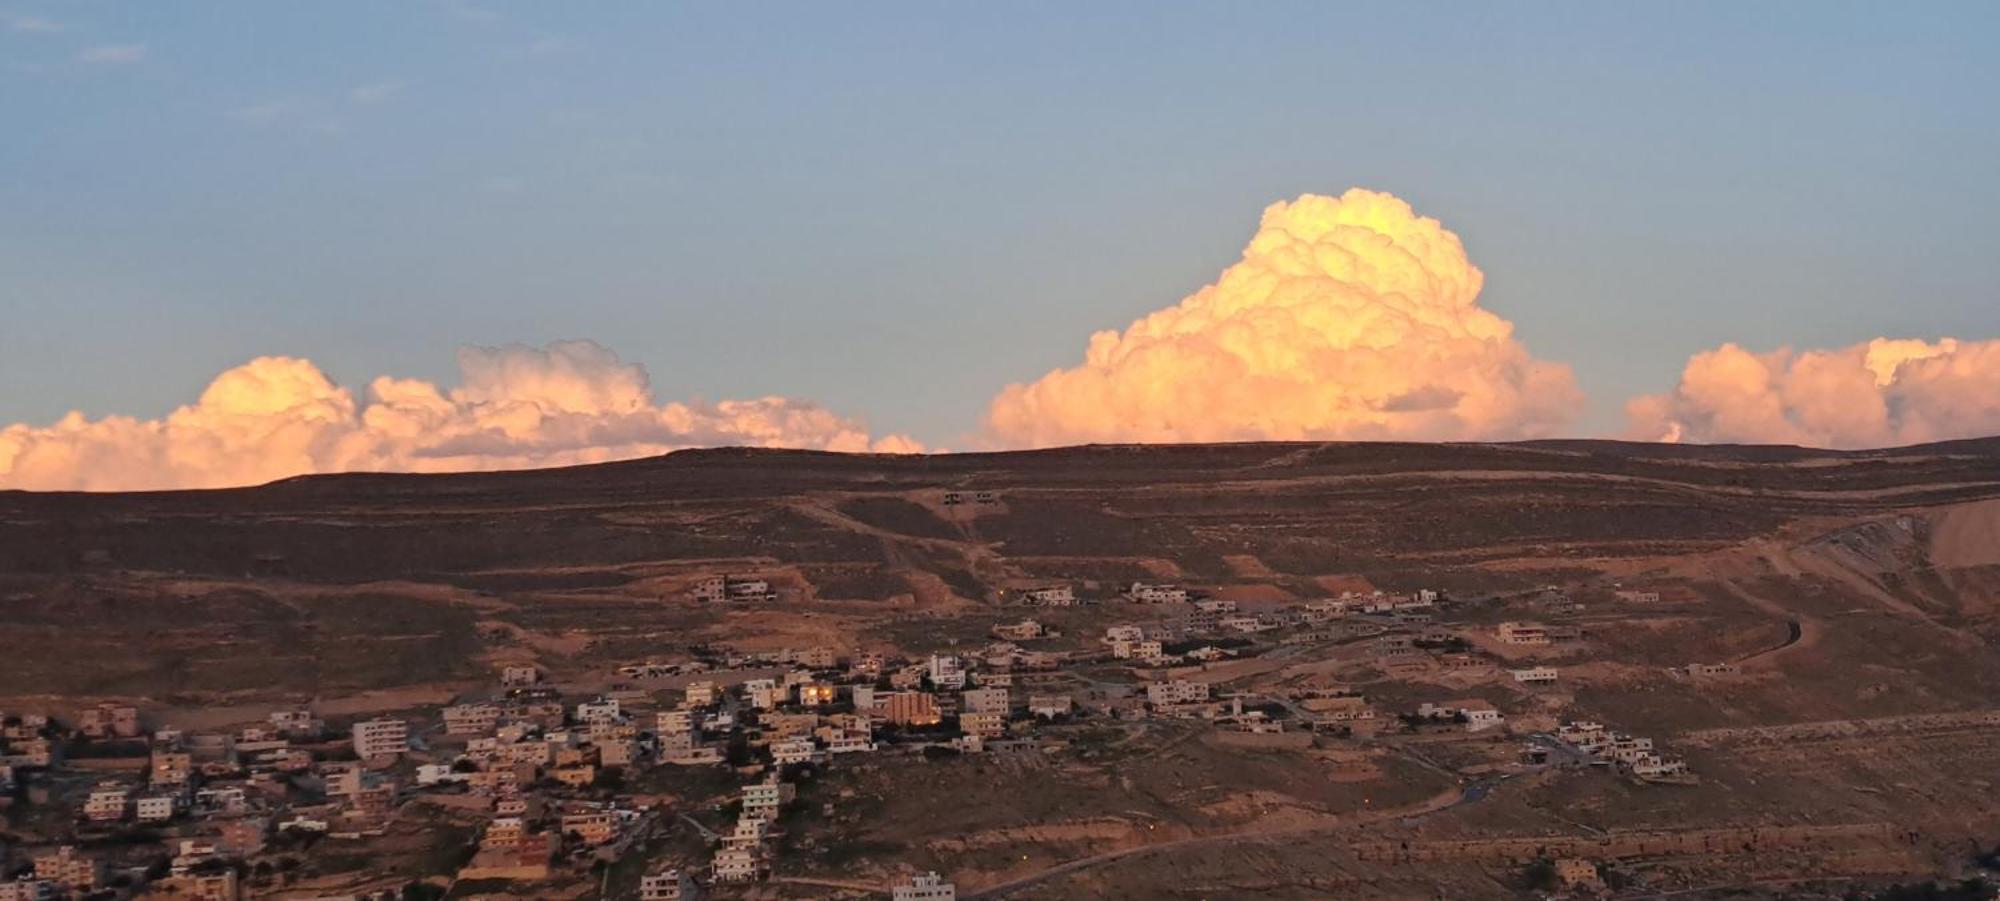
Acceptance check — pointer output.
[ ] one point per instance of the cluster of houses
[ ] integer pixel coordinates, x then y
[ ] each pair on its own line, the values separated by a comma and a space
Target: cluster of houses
545, 774
727, 589
1635, 754
1474, 714
1536, 634
177, 808
544, 769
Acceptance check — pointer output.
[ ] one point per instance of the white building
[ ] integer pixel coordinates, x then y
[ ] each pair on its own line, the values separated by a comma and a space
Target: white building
795, 750
947, 672
739, 864
1481, 716
1534, 675
1142, 593
599, 710
925, 887
763, 799
668, 885
1049, 706
299, 723
154, 808
1522, 633
1051, 596
381, 738
1177, 691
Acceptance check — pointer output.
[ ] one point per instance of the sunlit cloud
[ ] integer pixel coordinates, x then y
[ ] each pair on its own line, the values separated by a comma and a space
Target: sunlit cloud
1879, 393
112, 54
1348, 317
515, 407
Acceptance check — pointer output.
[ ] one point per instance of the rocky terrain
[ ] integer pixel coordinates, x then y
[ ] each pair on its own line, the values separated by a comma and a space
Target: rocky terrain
1854, 593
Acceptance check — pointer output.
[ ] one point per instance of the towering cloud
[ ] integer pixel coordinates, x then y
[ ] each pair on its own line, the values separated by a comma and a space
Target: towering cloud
1882, 393
1347, 318
516, 406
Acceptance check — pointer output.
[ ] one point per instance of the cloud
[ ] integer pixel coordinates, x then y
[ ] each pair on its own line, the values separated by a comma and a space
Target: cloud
1348, 317
1881, 393
112, 54
377, 92
515, 407
33, 24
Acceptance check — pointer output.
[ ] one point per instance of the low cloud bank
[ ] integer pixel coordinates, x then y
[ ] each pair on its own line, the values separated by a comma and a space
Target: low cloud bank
516, 406
1881, 393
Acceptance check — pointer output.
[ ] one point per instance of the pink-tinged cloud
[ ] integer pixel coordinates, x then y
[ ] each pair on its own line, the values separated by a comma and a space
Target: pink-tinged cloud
1348, 317
515, 407
1882, 393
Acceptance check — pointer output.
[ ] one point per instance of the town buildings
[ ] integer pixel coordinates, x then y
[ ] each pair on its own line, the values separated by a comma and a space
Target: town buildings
924, 887
381, 738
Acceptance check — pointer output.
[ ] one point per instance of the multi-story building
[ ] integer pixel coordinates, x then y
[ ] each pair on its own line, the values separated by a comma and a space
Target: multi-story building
169, 767
597, 710
764, 799
744, 864
1142, 593
30, 890
107, 803
924, 887
470, 719
1176, 691
985, 700
73, 870
947, 671
668, 885
386, 737
592, 827
984, 725
1049, 707
108, 720
762, 693
298, 723
155, 808
910, 708
1049, 596
1522, 633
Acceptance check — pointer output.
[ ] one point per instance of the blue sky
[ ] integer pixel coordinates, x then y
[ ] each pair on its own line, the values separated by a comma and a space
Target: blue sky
896, 209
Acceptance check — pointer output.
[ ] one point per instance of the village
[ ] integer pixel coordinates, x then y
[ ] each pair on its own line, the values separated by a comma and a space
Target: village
579, 786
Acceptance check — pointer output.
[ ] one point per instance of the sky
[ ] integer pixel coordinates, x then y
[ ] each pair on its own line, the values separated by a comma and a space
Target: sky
889, 213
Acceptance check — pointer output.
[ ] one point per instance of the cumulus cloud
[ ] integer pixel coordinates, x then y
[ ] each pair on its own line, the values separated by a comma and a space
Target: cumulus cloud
516, 406
1881, 393
1348, 317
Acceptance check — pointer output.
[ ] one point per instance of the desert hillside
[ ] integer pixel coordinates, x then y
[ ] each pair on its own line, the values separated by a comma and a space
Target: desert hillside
1849, 603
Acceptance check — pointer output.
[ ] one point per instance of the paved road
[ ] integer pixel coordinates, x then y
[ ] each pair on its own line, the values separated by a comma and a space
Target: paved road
831, 883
